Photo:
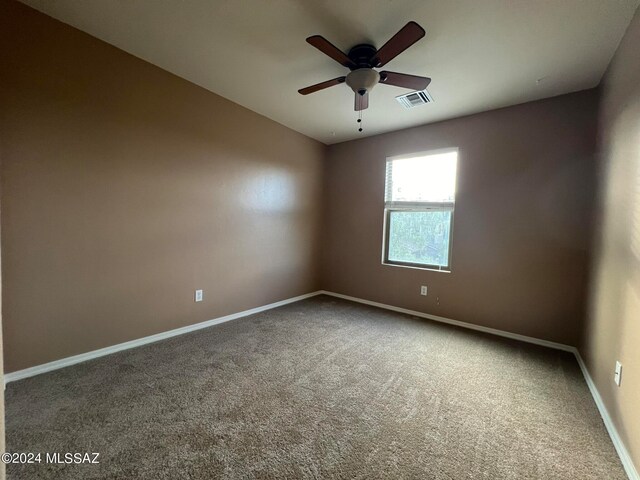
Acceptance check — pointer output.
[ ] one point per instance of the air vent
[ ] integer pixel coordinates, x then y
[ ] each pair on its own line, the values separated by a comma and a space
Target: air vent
414, 99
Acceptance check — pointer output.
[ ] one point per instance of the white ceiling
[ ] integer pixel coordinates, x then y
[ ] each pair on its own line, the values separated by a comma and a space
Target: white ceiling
480, 54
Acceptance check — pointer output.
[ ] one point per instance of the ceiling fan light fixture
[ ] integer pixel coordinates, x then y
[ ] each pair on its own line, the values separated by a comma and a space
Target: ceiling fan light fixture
363, 80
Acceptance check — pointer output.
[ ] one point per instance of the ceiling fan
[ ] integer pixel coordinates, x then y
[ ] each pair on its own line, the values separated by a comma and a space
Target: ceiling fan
364, 58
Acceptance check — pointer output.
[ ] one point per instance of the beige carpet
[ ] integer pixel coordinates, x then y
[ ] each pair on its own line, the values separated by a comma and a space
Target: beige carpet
322, 388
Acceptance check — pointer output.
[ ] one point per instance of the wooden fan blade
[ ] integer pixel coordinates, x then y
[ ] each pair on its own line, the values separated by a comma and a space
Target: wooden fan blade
412, 82
322, 85
329, 49
407, 36
362, 102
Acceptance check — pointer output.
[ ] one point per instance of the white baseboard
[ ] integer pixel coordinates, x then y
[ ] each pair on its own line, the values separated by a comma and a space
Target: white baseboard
470, 326
623, 453
83, 357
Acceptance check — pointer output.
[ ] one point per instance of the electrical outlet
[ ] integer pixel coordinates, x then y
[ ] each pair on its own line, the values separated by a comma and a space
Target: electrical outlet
617, 376
423, 290
198, 296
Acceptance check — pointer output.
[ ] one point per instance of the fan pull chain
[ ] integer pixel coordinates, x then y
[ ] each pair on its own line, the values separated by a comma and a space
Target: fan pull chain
360, 117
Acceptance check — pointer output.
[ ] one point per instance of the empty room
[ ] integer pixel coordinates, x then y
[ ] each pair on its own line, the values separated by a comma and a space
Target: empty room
320, 239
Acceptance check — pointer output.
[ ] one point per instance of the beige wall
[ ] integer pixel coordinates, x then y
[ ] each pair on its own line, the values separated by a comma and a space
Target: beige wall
613, 328
125, 188
522, 220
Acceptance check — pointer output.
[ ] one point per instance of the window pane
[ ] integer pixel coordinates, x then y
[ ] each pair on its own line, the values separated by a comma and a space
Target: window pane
419, 237
429, 178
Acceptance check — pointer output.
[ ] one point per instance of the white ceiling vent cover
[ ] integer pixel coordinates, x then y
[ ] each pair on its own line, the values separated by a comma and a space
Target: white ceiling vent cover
414, 99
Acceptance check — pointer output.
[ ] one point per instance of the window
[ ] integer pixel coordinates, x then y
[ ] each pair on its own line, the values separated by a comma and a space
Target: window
419, 204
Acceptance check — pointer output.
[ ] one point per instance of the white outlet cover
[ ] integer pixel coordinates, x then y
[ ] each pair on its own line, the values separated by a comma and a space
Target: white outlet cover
198, 296
617, 377
423, 290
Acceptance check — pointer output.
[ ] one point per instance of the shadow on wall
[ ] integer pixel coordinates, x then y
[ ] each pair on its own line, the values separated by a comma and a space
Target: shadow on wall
613, 331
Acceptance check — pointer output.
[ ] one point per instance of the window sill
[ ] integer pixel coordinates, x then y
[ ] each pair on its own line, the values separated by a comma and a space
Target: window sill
416, 268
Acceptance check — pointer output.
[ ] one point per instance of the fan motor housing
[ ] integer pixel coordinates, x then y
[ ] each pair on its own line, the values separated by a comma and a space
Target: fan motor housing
362, 55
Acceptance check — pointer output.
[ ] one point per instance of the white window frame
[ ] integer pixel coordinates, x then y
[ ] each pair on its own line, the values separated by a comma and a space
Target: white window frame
390, 206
